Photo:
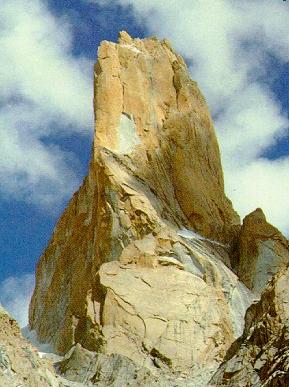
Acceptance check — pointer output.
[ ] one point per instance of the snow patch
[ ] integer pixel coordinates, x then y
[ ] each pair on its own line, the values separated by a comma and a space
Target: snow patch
189, 234
132, 48
128, 137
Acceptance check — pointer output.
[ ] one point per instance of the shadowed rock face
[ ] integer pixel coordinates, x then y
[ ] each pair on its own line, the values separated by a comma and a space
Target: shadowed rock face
261, 356
263, 250
123, 274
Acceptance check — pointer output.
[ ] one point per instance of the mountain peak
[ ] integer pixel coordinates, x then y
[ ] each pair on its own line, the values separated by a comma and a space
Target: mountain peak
152, 115
138, 274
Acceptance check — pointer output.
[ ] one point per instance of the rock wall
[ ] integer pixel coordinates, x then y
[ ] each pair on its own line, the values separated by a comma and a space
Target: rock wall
151, 113
139, 267
155, 169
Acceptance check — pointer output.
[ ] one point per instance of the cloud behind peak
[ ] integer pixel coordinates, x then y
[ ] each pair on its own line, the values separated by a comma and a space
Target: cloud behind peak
44, 90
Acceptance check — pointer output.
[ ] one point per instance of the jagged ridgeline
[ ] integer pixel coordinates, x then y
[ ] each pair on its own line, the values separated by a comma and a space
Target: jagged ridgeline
148, 275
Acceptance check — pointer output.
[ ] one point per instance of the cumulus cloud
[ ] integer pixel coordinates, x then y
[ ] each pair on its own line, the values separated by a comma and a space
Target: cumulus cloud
262, 183
44, 92
15, 294
229, 46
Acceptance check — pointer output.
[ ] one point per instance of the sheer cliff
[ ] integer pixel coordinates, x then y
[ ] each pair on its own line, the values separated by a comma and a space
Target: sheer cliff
144, 266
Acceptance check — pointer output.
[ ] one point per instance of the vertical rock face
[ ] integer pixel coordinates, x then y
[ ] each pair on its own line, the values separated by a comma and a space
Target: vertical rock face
127, 273
153, 116
116, 277
263, 250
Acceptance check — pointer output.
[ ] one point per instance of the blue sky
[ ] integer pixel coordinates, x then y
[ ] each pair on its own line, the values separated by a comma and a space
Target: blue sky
237, 51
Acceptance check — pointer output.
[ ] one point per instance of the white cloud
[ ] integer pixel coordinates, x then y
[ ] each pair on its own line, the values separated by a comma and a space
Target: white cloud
15, 294
228, 44
250, 123
265, 184
27, 165
44, 91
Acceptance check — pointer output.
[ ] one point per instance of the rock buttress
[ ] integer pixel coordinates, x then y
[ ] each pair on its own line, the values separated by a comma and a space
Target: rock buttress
117, 276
